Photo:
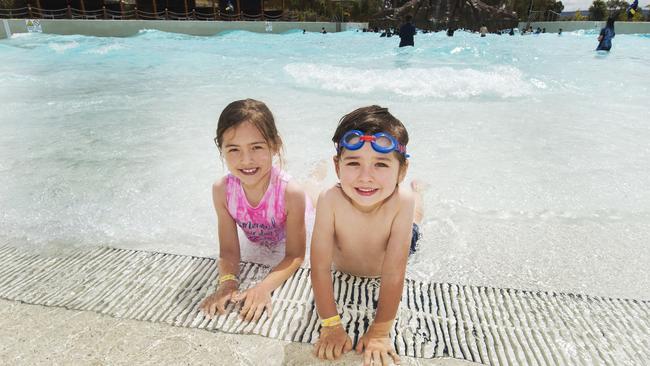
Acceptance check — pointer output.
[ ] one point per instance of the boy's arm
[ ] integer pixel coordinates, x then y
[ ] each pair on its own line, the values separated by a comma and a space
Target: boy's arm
322, 247
296, 239
394, 267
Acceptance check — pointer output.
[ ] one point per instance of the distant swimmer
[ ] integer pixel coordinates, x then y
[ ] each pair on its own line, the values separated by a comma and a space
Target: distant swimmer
483, 30
322, 30
559, 32
606, 35
406, 33
512, 32
631, 11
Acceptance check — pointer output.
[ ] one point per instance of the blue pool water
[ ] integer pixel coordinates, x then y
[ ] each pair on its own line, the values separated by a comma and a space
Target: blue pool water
535, 148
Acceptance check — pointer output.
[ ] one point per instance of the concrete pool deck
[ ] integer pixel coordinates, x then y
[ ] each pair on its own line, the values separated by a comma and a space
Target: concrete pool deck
40, 335
469, 323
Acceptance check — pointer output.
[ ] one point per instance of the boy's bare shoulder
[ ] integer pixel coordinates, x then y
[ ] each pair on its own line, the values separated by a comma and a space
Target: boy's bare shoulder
405, 193
330, 196
406, 196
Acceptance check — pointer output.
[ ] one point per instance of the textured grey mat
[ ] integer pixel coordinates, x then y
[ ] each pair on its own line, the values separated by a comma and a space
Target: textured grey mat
481, 324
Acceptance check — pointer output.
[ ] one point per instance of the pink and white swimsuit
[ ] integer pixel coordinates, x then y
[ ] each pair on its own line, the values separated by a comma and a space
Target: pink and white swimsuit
264, 224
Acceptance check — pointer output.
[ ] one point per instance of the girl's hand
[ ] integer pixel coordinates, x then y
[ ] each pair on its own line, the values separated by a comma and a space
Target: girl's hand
333, 342
216, 303
256, 299
377, 349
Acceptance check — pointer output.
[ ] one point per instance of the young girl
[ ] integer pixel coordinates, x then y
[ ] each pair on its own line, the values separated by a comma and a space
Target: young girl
258, 197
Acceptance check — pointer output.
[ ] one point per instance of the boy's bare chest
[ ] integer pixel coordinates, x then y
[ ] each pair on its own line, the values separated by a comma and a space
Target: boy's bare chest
362, 232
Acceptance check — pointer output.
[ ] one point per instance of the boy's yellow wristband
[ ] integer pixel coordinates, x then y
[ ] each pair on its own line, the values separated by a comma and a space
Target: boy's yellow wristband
331, 322
227, 277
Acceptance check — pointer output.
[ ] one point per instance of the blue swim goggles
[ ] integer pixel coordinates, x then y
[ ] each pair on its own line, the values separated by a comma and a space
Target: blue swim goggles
381, 142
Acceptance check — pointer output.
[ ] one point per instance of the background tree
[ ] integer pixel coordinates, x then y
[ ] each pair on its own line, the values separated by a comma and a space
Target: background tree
617, 9
522, 7
579, 17
598, 10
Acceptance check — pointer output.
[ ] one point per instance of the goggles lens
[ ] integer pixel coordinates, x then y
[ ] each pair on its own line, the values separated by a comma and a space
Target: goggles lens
381, 142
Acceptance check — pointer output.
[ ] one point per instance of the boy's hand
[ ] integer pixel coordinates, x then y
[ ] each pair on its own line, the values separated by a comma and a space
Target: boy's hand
216, 303
333, 342
377, 348
256, 299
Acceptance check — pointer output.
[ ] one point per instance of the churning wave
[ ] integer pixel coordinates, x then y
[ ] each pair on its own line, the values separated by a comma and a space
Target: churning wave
436, 82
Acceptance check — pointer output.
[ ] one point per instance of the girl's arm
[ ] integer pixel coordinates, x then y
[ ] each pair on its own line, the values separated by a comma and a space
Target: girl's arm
394, 266
258, 298
229, 256
296, 239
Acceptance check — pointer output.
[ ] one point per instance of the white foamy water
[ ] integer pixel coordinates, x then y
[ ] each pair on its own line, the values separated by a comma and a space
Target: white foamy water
535, 148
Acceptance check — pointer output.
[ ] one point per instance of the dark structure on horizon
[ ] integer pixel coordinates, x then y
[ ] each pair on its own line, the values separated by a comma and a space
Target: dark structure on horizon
438, 15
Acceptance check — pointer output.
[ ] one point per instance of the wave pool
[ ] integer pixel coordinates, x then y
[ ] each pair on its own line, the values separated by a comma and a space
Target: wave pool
535, 148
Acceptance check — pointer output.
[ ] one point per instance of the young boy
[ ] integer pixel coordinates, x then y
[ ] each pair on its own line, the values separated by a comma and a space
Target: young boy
364, 226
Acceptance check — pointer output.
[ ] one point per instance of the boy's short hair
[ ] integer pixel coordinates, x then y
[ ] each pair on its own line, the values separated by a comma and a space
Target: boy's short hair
371, 120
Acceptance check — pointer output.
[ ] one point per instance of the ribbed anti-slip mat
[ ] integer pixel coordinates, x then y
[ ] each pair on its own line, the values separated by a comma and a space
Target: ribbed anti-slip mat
481, 324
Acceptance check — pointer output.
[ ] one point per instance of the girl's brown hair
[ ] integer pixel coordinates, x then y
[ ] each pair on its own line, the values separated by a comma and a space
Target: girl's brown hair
371, 120
255, 112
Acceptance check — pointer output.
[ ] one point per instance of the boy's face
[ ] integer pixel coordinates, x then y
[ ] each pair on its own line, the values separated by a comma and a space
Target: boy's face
368, 177
248, 156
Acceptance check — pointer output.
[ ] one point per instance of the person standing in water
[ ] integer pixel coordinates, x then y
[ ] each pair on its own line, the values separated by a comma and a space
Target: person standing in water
606, 35
406, 33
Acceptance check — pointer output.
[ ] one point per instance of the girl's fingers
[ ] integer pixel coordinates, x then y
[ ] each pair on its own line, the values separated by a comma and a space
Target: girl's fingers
348, 345
395, 357
238, 296
375, 357
385, 360
359, 347
367, 358
258, 312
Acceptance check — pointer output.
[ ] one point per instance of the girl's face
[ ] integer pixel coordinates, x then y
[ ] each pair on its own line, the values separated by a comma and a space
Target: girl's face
368, 177
248, 156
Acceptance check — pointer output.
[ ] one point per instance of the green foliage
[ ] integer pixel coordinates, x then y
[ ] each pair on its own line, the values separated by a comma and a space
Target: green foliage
598, 10
579, 17
7, 4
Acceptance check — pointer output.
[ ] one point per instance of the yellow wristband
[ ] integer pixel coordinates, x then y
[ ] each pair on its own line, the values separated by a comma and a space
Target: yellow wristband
227, 277
331, 322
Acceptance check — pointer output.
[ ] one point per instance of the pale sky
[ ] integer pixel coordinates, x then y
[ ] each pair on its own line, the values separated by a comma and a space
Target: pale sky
572, 5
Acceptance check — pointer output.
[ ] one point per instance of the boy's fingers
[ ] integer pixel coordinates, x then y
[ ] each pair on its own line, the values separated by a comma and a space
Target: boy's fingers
329, 351
321, 352
337, 351
221, 309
